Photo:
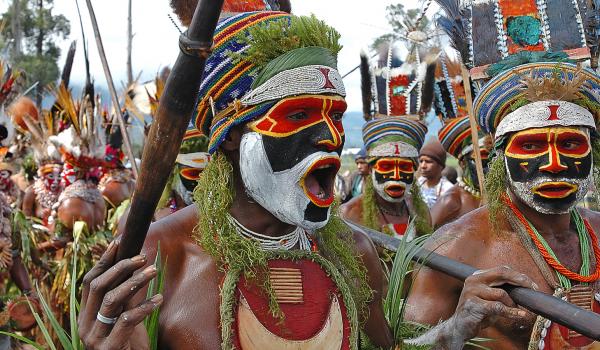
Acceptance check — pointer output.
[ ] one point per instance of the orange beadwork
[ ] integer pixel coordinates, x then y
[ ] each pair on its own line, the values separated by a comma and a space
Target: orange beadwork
548, 257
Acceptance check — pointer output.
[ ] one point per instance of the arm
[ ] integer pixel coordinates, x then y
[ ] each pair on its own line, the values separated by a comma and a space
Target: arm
376, 326
446, 209
29, 202
19, 275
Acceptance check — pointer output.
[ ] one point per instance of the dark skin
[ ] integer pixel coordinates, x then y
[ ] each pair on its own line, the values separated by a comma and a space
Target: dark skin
431, 170
488, 311
31, 208
116, 192
189, 267
452, 205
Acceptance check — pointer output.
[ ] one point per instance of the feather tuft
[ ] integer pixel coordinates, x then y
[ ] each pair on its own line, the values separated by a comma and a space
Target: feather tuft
366, 85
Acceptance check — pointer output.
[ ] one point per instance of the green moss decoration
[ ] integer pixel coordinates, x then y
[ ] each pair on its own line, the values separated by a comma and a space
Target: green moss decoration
370, 214
495, 186
273, 39
218, 237
421, 210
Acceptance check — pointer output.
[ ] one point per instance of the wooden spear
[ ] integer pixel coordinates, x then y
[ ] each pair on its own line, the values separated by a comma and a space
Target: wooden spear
172, 118
474, 128
113, 91
582, 321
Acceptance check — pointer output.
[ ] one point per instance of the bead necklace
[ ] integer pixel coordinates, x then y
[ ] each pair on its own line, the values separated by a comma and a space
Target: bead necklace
585, 233
468, 188
285, 242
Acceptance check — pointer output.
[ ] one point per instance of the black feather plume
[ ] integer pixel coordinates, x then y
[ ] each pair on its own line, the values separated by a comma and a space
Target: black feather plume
455, 26
66, 72
365, 85
428, 88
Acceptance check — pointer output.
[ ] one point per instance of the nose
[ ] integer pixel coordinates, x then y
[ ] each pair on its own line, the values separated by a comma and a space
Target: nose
328, 136
554, 165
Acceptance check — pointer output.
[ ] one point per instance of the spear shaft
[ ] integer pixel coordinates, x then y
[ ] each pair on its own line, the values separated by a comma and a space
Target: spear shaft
113, 91
582, 321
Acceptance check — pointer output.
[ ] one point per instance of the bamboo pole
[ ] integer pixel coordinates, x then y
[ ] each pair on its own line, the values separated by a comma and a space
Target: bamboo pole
113, 91
474, 133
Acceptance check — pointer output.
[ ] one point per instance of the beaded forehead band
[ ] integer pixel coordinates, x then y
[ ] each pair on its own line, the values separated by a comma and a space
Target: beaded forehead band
545, 113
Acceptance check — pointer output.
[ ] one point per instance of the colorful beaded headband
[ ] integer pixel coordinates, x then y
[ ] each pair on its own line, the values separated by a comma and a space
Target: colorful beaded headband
505, 96
394, 137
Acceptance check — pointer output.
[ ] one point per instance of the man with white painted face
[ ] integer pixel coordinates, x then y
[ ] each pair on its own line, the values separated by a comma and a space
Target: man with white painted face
530, 234
391, 199
261, 261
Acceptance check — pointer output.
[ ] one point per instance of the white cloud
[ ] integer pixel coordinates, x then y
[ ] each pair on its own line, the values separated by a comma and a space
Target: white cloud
155, 40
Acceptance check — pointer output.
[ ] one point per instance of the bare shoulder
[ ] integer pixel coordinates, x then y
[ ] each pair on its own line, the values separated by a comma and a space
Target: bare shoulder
352, 210
593, 218
471, 230
172, 232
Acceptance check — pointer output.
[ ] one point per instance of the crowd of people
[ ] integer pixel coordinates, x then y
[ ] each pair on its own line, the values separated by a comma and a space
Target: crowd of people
253, 243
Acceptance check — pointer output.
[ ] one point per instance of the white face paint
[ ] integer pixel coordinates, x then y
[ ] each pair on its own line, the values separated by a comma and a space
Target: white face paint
281, 193
380, 188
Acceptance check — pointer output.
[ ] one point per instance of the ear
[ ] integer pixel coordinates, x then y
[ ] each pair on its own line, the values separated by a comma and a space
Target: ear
232, 140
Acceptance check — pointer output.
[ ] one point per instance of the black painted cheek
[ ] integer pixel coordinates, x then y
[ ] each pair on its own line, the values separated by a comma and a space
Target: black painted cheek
522, 173
284, 153
314, 213
406, 178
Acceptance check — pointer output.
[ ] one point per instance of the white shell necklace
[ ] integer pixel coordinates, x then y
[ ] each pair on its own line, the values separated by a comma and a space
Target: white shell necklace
285, 242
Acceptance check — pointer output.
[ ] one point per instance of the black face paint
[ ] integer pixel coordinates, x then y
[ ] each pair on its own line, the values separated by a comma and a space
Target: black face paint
549, 168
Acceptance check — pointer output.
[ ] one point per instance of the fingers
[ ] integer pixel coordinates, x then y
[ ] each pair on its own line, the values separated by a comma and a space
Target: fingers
130, 319
115, 300
108, 280
101, 266
501, 275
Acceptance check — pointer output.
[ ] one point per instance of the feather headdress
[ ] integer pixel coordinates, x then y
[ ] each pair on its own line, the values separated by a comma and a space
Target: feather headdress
83, 142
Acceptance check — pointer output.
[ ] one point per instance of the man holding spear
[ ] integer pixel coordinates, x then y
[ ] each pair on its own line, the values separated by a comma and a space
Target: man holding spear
261, 258
543, 117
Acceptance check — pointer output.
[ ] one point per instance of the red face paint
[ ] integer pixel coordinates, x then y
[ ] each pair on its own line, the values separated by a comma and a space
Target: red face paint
295, 114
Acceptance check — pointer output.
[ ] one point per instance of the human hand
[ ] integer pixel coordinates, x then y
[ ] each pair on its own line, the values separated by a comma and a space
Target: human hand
482, 302
105, 320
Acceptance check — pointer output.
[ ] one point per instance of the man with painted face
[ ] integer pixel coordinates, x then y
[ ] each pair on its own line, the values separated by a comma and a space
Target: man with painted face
43, 194
530, 234
261, 258
465, 196
391, 199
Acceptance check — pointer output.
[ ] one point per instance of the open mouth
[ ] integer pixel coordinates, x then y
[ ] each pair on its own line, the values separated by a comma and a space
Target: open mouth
192, 174
318, 181
554, 190
395, 191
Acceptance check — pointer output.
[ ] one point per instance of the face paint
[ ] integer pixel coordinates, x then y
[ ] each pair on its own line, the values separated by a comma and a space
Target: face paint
393, 177
50, 175
289, 159
471, 167
5, 181
549, 168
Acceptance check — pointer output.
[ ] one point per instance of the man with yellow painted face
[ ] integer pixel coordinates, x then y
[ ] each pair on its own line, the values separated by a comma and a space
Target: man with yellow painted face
455, 137
391, 198
261, 260
530, 234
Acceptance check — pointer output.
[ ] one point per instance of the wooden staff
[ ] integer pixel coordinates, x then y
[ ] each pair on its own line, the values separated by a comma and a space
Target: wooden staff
113, 91
172, 118
582, 321
474, 133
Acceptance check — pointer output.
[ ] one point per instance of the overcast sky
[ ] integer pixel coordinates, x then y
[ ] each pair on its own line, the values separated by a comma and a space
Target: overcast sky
155, 40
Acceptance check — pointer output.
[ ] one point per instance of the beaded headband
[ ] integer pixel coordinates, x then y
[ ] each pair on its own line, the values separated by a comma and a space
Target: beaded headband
500, 96
394, 137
